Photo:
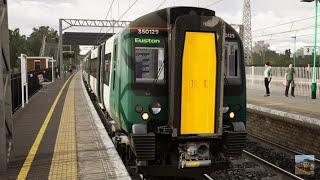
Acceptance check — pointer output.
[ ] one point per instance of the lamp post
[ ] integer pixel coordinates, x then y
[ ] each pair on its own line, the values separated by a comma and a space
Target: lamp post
314, 81
294, 51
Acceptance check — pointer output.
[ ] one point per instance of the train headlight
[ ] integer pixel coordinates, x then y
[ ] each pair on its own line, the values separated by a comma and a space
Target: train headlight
145, 116
232, 115
138, 108
225, 109
155, 108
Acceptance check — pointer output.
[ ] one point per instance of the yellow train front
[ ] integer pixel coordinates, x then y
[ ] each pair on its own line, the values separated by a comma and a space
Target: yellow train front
193, 140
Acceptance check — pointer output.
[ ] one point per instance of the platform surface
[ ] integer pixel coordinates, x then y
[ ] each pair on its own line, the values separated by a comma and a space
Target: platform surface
59, 135
300, 105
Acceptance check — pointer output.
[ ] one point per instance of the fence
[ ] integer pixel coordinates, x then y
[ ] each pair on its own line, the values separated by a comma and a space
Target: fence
33, 86
302, 79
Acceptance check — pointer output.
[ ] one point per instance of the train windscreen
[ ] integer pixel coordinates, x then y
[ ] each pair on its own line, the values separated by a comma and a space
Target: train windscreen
149, 64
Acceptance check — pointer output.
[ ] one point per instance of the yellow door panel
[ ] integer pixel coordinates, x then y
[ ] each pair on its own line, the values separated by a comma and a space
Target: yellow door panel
198, 84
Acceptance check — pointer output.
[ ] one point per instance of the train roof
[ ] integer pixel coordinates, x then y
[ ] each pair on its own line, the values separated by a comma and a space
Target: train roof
167, 16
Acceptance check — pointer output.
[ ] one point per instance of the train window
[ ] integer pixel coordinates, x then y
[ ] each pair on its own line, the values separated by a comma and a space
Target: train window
94, 67
114, 65
107, 68
149, 64
232, 55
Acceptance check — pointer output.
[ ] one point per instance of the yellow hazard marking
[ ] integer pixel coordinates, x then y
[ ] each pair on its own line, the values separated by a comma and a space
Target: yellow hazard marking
64, 160
193, 164
33, 151
198, 94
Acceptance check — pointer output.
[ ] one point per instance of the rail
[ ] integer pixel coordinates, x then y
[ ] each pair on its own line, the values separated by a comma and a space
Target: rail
271, 165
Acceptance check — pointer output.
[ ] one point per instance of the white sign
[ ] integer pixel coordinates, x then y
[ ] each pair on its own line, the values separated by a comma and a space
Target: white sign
23, 63
24, 79
307, 51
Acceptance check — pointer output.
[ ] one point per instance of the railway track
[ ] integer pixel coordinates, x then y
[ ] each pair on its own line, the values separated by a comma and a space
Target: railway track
250, 166
281, 172
280, 146
277, 154
277, 161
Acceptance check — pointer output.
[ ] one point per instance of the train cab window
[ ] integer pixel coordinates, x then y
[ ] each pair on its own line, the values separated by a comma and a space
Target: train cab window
149, 65
107, 68
232, 61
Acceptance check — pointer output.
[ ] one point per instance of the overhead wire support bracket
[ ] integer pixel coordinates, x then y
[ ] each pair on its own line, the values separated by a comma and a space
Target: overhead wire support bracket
69, 23
95, 23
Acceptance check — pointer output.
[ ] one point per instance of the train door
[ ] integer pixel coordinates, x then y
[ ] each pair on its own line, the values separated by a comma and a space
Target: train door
198, 83
195, 91
98, 62
101, 73
114, 95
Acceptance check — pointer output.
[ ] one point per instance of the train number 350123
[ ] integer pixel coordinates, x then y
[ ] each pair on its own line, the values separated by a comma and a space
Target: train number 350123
148, 31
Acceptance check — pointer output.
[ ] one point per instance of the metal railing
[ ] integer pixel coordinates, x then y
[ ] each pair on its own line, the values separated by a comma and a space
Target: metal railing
33, 86
302, 79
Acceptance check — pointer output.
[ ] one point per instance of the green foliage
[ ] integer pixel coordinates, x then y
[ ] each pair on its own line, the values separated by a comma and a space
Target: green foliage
260, 56
21, 44
18, 45
36, 37
282, 60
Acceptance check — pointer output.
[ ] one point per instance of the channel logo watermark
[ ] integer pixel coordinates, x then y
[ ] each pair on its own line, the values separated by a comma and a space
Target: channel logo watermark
304, 165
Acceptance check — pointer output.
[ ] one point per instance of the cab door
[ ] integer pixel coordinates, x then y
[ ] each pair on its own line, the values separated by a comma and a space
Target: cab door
195, 76
199, 64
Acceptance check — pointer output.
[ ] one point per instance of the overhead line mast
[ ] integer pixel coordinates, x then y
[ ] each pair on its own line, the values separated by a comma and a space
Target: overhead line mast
247, 37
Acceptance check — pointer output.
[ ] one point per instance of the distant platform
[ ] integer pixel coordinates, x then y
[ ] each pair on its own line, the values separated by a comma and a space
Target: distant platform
59, 135
300, 105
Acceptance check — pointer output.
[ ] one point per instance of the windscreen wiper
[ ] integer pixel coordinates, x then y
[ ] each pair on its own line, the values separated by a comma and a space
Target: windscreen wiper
159, 72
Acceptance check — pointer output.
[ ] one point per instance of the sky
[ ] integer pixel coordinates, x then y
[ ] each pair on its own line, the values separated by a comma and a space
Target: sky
26, 14
299, 158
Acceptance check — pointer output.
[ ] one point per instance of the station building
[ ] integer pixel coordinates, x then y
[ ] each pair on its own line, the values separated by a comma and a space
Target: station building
39, 63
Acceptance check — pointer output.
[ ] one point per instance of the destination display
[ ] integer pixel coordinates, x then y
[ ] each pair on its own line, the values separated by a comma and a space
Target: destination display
149, 64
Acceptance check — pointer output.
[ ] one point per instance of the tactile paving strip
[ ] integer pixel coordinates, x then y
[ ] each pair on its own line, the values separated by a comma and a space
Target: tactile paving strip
64, 161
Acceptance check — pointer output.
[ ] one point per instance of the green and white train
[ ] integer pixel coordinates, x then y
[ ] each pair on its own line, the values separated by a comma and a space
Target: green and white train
172, 88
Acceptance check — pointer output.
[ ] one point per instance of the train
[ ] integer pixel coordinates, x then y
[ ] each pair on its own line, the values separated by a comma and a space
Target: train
172, 88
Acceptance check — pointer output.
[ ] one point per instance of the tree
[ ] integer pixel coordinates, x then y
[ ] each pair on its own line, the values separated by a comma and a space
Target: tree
18, 45
36, 37
21, 44
260, 48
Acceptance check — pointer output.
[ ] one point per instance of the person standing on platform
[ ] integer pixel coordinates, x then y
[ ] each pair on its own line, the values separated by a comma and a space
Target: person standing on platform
267, 78
289, 76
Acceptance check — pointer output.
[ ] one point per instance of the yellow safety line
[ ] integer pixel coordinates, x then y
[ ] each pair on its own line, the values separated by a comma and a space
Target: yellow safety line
33, 151
64, 160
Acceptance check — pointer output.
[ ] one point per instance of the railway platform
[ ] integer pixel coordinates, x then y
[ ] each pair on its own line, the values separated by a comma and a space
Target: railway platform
292, 122
298, 105
59, 135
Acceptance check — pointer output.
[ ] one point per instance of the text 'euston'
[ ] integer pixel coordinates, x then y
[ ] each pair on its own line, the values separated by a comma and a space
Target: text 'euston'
146, 41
